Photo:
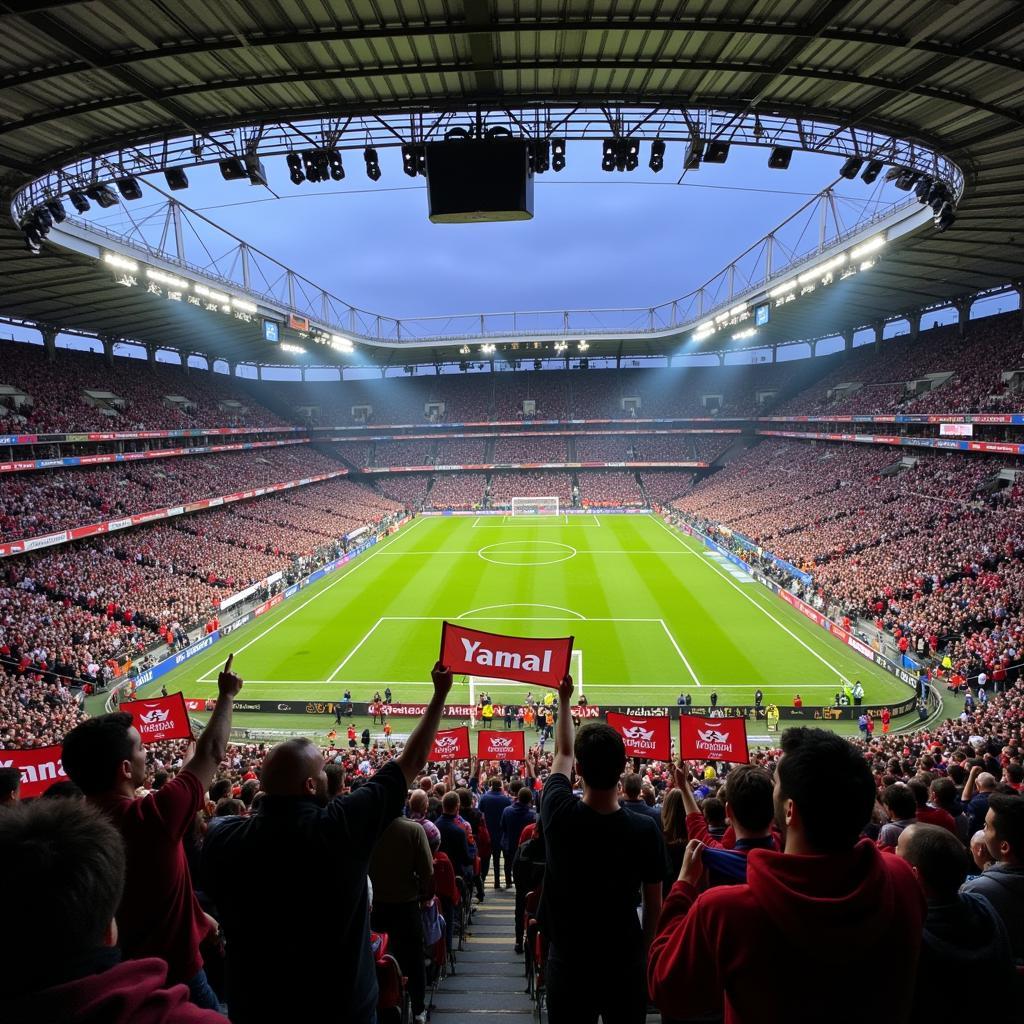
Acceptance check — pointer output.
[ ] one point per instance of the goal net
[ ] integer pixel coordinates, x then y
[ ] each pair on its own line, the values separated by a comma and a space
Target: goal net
504, 691
535, 506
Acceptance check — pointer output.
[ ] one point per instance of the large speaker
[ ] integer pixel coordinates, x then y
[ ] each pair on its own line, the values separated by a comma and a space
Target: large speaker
472, 180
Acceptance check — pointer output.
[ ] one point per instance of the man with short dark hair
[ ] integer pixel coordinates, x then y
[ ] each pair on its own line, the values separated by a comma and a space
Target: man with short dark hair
64, 865
10, 786
925, 814
828, 890
900, 805
964, 937
159, 914
491, 806
595, 847
632, 797
1002, 884
513, 820
289, 959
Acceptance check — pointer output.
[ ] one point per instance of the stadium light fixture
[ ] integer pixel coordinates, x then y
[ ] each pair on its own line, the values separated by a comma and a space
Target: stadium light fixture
872, 171
162, 277
693, 155
294, 349
632, 148
716, 152
561, 346
583, 345
243, 304
945, 216
295, 171
851, 168
232, 168
212, 295
822, 268
56, 210
487, 349
176, 178
741, 335
657, 162
779, 158
340, 344
115, 259
464, 351
608, 151
414, 159
102, 195
868, 247
335, 164
557, 155
783, 289
78, 201
129, 187
372, 165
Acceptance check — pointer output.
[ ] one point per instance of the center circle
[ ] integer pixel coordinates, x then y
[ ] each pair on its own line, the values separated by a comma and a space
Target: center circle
527, 552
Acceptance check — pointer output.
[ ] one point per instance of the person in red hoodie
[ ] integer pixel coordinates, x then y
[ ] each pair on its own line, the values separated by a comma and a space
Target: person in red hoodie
829, 894
66, 865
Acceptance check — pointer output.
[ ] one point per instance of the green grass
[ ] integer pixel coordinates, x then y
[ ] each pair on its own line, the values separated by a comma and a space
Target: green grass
652, 614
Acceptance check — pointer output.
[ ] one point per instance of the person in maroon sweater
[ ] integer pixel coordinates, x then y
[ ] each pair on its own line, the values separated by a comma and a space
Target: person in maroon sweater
827, 899
159, 914
65, 865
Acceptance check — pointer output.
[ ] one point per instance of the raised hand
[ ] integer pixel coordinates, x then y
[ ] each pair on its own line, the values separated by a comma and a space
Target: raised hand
565, 692
442, 678
693, 866
228, 684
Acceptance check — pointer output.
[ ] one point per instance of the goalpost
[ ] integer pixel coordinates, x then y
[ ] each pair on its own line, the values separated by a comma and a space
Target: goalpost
535, 506
495, 687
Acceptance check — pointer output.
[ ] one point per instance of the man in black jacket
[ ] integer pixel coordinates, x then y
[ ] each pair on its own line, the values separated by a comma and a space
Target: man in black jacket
263, 873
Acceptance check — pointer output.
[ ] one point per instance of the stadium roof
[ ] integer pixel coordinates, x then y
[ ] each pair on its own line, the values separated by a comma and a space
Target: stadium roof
91, 78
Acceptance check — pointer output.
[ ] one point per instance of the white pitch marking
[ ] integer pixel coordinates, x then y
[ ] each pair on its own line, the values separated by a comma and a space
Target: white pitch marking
348, 657
760, 607
522, 604
672, 640
360, 562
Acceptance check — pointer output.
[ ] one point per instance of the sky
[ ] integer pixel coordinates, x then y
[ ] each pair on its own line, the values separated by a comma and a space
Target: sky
597, 240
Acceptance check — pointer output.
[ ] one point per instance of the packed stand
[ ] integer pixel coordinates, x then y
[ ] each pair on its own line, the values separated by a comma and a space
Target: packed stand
664, 486
37, 503
408, 489
546, 389
930, 553
403, 453
530, 449
457, 490
464, 451
506, 486
59, 406
609, 489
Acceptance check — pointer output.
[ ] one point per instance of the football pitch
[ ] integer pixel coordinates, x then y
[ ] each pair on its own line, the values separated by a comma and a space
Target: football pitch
654, 613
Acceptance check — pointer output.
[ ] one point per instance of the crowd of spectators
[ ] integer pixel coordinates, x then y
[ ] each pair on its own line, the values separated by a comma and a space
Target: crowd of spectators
457, 490
408, 489
142, 395
975, 364
665, 485
530, 449
928, 551
403, 453
461, 451
40, 502
609, 488
506, 486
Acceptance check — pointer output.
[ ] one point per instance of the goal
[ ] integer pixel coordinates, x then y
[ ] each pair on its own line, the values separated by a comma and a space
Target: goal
499, 688
535, 506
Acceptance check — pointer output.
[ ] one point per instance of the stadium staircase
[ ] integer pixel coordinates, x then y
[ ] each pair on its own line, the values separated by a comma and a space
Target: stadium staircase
489, 981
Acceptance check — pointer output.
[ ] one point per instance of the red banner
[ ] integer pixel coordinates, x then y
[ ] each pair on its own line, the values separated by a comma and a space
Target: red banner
649, 737
501, 746
539, 662
163, 718
451, 744
713, 739
40, 768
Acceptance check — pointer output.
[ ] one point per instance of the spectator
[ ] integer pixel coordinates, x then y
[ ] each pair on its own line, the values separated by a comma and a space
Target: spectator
528, 874
901, 807
1002, 884
825, 892
10, 786
454, 841
297, 831
977, 790
68, 863
159, 914
402, 872
929, 815
595, 846
632, 787
513, 820
491, 805
964, 938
